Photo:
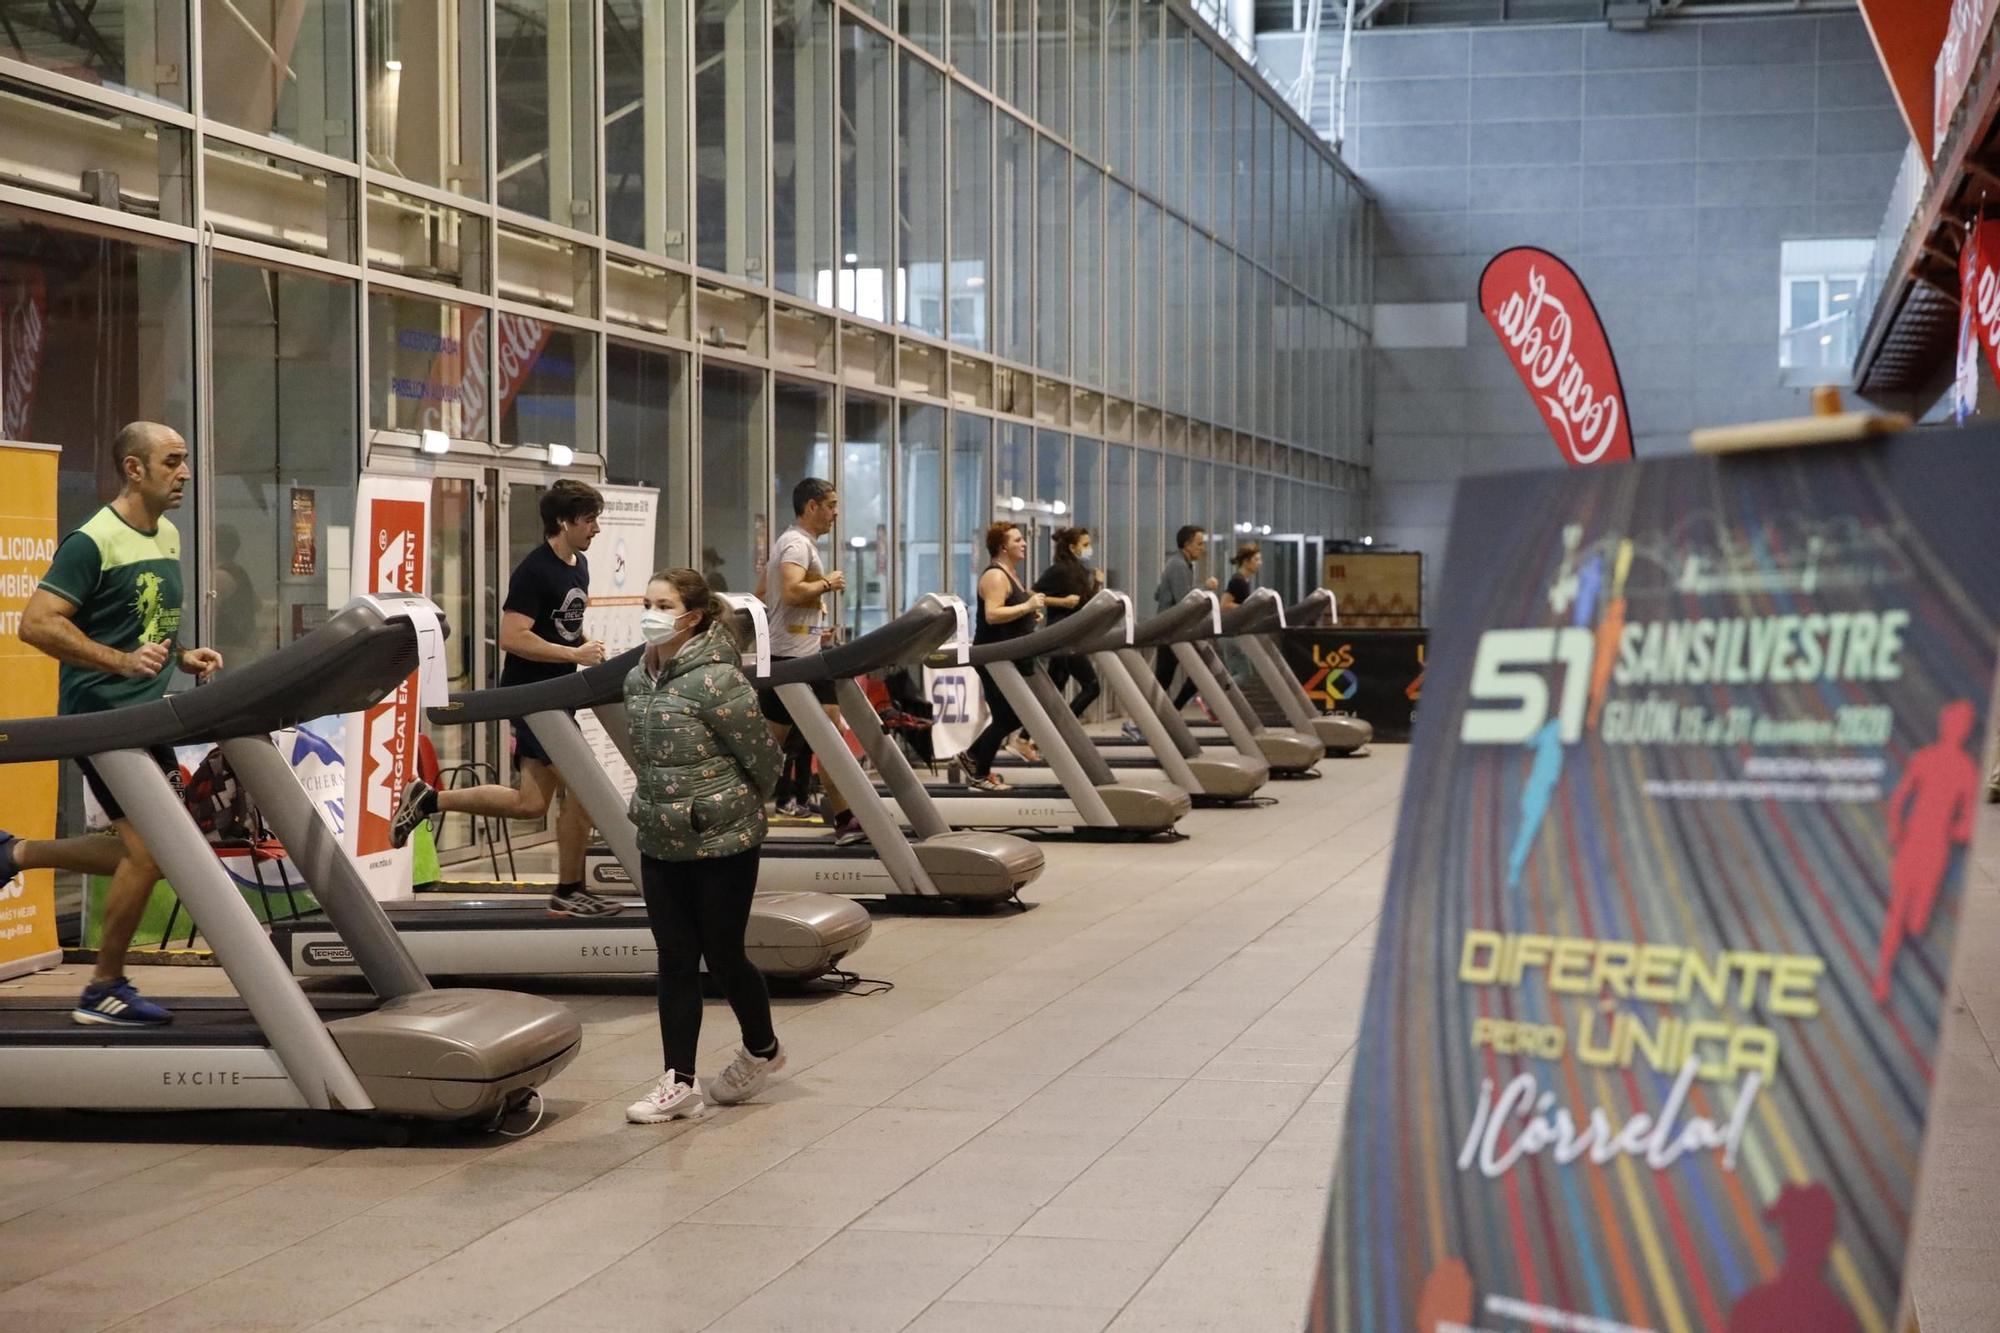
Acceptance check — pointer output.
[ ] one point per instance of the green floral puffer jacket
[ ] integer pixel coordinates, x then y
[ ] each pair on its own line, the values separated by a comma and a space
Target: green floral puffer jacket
703, 755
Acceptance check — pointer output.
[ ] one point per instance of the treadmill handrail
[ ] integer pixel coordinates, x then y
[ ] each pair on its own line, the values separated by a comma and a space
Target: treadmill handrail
1317, 609
347, 665
1260, 613
1187, 621
588, 688
910, 637
1103, 611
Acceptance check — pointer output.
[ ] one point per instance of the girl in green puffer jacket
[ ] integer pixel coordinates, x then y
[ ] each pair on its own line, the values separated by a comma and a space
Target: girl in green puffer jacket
705, 763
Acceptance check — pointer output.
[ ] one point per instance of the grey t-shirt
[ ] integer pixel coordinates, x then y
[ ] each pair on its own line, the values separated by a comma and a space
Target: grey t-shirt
795, 630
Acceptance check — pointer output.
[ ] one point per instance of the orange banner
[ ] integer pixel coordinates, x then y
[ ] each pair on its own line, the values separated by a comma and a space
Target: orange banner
28, 684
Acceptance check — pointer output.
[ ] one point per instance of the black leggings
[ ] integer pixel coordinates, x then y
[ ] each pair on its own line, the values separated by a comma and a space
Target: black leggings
1067, 667
795, 779
979, 758
1164, 664
700, 909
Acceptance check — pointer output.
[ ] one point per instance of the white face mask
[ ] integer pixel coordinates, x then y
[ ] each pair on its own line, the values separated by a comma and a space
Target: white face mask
659, 626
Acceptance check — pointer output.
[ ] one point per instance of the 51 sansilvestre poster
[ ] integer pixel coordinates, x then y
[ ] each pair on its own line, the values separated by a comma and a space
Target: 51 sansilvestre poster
1653, 1019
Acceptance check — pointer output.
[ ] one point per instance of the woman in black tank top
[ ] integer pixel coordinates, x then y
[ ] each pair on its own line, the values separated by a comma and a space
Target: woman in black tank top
1007, 610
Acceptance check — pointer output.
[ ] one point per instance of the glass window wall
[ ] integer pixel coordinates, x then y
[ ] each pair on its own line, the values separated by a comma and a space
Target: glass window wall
1087, 285
426, 92
867, 183
972, 39
1014, 53
971, 498
284, 431
922, 21
1086, 485
1118, 259
427, 365
1087, 60
971, 217
869, 427
1052, 287
1114, 537
1052, 55
645, 126
920, 502
1153, 546
920, 286
645, 394
735, 532
802, 151
1146, 320
290, 70
1014, 257
547, 383
729, 103
544, 71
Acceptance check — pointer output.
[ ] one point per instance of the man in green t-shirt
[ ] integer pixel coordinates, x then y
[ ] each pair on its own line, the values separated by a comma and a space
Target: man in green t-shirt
109, 610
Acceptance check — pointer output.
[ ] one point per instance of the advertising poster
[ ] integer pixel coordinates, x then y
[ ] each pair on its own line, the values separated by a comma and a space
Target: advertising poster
1375, 674
1654, 1011
621, 560
28, 685
391, 554
1379, 590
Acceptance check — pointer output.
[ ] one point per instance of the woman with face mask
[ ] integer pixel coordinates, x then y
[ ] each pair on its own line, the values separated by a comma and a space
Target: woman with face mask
1069, 582
705, 764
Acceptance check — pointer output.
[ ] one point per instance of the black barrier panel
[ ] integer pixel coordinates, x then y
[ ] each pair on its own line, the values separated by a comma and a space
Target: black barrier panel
1375, 674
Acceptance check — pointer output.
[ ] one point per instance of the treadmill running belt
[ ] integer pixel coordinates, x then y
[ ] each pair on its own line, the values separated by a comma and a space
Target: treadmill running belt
199, 1020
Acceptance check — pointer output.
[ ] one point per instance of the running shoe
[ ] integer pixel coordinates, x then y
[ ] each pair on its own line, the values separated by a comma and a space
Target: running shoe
1130, 731
794, 809
118, 1004
582, 903
1025, 749
420, 802
745, 1078
989, 782
670, 1099
847, 830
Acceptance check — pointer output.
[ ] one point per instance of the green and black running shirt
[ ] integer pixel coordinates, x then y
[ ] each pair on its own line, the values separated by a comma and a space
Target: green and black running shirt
126, 587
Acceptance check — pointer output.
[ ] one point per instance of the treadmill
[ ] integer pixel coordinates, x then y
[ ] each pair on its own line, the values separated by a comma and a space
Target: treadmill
938, 862
1081, 792
409, 1050
1259, 640
791, 936
1171, 753
1187, 631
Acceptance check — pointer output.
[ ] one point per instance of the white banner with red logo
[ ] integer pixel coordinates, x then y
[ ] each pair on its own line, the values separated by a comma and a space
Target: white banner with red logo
1964, 35
1546, 322
391, 554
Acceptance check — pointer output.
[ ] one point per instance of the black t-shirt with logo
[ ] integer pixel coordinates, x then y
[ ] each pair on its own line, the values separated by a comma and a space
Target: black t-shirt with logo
554, 596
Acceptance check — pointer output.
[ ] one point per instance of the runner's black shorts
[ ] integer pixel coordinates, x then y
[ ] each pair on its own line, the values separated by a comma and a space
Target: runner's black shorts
774, 707
526, 746
100, 789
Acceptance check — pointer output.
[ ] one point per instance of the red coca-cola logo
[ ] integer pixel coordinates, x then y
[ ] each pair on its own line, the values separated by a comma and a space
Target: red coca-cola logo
22, 337
1544, 318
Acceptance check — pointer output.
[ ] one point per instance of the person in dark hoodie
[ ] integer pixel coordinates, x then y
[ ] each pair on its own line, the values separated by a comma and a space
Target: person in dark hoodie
1068, 583
705, 763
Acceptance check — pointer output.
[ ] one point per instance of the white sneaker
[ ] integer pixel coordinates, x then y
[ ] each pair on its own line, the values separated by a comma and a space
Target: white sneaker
670, 1099
745, 1077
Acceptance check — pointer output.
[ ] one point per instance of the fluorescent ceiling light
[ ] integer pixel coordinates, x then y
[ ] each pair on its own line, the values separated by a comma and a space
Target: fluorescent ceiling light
436, 442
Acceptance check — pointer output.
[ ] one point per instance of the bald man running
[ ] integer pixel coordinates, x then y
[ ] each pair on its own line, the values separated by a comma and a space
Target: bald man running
109, 610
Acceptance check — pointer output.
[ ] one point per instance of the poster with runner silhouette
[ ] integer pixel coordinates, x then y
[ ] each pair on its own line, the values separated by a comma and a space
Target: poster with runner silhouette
1653, 1017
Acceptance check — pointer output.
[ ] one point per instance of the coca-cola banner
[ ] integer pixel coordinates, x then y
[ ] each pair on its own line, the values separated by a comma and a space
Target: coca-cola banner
1538, 307
24, 326
1979, 298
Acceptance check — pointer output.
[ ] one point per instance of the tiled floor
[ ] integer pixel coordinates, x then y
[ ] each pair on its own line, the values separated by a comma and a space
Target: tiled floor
1116, 1111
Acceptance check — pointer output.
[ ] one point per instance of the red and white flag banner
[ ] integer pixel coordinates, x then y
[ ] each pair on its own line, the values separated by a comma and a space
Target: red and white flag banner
1545, 320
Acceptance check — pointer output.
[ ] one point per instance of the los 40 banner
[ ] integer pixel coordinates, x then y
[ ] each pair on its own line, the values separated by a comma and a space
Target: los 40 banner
1653, 1019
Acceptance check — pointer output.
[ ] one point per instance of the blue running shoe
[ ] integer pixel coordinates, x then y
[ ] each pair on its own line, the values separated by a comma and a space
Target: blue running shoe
118, 1004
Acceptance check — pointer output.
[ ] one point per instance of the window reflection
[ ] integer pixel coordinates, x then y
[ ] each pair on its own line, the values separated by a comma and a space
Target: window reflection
920, 502
290, 70
643, 390
427, 92
735, 529
971, 497
284, 382
867, 184
427, 365
971, 216
543, 74
645, 125
134, 46
1014, 241
802, 153
869, 428
920, 294
729, 100
1052, 281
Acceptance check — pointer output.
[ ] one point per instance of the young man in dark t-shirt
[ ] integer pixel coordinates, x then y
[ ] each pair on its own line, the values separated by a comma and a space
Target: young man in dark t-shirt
542, 635
109, 609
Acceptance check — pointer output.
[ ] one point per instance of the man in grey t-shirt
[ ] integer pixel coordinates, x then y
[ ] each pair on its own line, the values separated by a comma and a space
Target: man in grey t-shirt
794, 589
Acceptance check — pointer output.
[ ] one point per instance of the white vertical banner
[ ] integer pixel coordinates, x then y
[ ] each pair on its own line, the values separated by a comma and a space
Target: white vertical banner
392, 521
958, 709
621, 560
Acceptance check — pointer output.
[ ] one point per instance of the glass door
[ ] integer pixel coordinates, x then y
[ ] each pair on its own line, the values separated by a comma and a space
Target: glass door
1284, 565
